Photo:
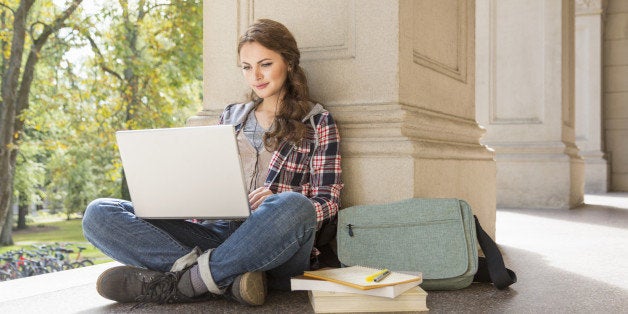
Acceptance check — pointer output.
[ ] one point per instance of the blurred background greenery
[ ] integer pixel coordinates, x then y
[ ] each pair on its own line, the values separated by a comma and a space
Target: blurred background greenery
55, 230
74, 72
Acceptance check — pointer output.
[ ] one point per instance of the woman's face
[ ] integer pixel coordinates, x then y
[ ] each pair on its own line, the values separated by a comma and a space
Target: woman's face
265, 70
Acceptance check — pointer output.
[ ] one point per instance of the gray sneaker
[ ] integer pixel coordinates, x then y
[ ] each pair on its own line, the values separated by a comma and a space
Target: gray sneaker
250, 288
131, 284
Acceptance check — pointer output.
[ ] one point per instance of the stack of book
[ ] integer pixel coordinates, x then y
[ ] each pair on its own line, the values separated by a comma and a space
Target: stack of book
354, 289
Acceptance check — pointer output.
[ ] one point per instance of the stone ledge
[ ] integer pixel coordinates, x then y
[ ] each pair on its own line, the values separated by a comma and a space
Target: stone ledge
68, 291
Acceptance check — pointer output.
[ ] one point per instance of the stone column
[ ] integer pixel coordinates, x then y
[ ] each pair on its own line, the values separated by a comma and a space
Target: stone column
589, 93
616, 91
398, 77
525, 98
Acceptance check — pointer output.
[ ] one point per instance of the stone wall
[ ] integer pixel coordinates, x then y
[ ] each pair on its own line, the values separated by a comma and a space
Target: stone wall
588, 94
615, 86
525, 99
399, 78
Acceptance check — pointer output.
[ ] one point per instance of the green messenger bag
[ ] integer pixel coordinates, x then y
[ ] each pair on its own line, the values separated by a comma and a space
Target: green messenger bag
437, 237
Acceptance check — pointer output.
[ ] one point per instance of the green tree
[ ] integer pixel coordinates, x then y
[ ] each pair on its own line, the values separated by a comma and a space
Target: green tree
26, 28
145, 72
154, 66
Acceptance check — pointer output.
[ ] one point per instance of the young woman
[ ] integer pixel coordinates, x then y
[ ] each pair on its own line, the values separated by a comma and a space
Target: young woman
289, 150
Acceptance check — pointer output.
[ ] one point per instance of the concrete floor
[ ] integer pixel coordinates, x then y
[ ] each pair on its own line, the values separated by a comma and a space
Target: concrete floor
567, 261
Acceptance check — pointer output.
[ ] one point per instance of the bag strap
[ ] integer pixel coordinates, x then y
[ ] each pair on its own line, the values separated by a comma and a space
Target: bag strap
491, 268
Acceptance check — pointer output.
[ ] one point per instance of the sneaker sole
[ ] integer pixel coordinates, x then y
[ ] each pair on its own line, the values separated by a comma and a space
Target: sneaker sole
252, 288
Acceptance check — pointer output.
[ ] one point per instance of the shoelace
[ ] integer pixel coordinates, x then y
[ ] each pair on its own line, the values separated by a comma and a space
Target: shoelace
162, 289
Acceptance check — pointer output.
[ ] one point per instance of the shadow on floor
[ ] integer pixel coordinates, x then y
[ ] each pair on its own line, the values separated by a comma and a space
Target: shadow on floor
541, 288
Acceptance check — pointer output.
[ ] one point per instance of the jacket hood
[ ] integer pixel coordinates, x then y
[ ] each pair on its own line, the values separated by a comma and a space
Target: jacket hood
240, 112
316, 109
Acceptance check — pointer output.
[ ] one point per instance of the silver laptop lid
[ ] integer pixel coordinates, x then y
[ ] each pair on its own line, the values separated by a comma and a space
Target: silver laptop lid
191, 172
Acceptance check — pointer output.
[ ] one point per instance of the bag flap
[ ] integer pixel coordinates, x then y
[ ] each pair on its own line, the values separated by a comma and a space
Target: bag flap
421, 235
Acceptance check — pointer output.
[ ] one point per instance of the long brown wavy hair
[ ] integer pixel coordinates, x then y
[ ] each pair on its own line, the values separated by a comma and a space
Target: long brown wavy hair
295, 106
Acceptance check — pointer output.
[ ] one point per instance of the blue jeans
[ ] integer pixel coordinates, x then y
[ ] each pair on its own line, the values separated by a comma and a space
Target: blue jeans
277, 238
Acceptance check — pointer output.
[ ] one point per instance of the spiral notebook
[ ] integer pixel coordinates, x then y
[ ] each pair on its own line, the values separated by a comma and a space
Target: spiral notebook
355, 276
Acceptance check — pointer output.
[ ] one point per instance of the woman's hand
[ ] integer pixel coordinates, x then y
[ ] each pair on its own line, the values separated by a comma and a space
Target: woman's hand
258, 196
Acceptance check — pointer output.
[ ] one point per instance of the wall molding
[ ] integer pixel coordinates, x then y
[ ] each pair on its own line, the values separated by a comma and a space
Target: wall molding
459, 70
343, 50
590, 7
494, 118
393, 129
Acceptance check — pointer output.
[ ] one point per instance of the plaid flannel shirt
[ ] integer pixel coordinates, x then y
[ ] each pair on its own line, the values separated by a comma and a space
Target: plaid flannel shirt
311, 168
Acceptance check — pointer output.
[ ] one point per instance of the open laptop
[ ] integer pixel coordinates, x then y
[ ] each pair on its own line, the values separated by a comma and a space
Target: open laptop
181, 173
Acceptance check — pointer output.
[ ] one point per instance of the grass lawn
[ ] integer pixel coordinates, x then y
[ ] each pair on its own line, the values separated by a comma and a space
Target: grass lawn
65, 232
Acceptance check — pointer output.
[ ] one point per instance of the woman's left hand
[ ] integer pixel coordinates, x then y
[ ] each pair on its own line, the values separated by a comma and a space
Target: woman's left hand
258, 196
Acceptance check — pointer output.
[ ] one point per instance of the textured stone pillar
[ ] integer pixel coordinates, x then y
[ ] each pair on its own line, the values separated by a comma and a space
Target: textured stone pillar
588, 99
398, 77
525, 98
616, 91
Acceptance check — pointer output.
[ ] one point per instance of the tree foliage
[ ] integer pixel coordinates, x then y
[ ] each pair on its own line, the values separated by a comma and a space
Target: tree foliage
24, 36
139, 66
153, 65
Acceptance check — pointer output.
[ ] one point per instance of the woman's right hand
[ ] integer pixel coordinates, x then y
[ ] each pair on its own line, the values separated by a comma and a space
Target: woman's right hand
258, 196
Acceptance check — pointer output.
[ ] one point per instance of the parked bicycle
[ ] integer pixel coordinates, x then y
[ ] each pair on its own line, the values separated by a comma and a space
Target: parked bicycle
42, 259
64, 254
8, 269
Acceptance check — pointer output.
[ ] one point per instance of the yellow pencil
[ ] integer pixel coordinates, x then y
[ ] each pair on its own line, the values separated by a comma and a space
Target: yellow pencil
376, 275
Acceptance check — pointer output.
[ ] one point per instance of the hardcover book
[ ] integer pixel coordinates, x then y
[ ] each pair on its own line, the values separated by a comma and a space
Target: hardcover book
306, 283
414, 299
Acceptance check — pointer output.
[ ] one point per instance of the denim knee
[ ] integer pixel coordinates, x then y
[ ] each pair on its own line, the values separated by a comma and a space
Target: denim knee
294, 205
97, 213
301, 202
93, 215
